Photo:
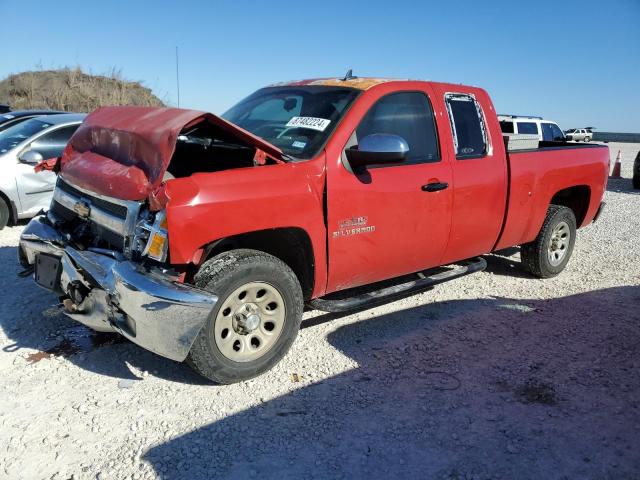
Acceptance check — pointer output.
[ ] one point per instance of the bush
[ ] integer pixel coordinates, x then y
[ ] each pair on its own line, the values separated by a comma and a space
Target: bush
72, 90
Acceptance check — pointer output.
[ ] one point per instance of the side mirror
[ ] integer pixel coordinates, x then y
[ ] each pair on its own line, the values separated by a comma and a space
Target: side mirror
31, 156
376, 149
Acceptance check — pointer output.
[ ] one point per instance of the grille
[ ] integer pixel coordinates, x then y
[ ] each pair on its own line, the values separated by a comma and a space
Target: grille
119, 211
102, 237
108, 221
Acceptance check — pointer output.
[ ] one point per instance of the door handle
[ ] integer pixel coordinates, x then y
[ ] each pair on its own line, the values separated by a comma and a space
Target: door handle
435, 186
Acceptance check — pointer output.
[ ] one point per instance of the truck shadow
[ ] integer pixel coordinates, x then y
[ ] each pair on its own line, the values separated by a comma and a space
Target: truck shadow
621, 185
31, 320
488, 388
504, 263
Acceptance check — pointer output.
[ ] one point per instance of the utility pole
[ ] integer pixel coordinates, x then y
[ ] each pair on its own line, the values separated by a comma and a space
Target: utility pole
177, 77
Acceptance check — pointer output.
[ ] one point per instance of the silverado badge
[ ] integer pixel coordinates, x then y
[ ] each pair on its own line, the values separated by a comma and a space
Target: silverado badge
353, 226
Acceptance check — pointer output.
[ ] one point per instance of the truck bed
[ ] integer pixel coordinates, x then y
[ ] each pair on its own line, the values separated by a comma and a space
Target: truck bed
551, 172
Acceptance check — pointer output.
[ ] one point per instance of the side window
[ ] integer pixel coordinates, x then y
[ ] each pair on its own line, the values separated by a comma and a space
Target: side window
52, 144
506, 126
469, 132
528, 128
557, 134
547, 132
11, 123
408, 115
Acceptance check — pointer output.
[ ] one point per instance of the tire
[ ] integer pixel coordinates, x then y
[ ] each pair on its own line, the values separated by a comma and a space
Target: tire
550, 252
234, 345
636, 181
587, 139
5, 213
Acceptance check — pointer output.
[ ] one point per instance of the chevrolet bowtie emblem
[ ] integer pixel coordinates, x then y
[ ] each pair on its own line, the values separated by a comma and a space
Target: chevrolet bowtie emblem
82, 209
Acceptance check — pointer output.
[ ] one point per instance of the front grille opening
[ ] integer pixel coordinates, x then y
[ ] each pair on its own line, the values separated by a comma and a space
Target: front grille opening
119, 211
85, 232
88, 233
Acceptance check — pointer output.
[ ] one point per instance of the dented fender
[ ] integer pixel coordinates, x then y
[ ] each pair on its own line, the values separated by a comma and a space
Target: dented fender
204, 208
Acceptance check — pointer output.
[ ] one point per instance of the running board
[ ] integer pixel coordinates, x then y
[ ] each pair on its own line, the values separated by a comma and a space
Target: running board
364, 297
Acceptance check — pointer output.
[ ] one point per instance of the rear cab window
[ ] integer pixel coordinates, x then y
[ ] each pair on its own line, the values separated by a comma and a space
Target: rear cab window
467, 122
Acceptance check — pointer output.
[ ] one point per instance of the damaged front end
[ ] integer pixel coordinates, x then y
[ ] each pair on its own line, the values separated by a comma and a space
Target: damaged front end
106, 291
103, 246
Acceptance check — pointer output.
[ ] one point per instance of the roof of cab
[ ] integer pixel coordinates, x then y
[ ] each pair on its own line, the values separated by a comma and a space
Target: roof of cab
361, 83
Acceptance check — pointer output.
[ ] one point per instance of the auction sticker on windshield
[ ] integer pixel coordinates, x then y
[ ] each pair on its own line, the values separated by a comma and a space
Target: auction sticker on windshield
313, 123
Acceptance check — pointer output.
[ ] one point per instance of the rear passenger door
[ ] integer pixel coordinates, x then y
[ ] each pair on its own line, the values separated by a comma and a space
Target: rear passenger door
479, 177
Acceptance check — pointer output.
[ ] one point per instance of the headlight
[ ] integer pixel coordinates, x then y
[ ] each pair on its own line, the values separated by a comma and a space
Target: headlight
152, 238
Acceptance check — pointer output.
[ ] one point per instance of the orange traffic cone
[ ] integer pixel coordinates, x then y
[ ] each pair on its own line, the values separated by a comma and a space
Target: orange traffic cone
617, 166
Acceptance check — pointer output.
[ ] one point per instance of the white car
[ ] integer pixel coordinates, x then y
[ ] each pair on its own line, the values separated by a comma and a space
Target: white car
579, 134
546, 130
23, 192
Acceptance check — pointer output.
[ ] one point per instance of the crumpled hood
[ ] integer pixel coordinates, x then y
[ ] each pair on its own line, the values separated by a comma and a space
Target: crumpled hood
123, 152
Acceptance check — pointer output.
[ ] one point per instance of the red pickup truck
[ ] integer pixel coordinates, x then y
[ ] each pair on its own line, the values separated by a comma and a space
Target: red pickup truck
202, 238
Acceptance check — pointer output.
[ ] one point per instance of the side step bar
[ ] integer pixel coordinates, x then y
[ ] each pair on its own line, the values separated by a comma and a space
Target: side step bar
370, 296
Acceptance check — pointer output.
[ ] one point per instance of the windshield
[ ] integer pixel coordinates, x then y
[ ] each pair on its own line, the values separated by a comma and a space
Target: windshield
298, 120
17, 134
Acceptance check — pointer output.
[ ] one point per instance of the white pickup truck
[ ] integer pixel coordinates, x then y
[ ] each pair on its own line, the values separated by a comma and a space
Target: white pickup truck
546, 130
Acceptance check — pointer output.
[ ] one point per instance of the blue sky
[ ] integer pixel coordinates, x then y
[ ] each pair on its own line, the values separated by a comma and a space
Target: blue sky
577, 62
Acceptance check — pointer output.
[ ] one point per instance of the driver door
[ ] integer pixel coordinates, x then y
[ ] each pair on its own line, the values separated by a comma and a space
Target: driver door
35, 189
382, 220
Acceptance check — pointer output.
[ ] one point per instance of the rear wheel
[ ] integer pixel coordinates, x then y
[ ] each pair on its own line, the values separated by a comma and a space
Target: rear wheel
4, 213
255, 321
549, 253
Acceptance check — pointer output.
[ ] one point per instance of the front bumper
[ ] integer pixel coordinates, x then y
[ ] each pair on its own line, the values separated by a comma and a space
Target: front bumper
107, 292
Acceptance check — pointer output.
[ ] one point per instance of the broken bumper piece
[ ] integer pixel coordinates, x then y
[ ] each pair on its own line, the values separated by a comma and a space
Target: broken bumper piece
107, 292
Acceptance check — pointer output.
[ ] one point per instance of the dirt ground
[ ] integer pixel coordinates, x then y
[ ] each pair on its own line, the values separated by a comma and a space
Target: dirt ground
493, 376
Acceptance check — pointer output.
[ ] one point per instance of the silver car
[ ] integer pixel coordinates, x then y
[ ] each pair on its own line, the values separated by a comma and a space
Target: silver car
23, 192
579, 134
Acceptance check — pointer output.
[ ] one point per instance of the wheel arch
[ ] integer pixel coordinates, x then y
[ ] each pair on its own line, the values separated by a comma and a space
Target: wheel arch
577, 198
292, 245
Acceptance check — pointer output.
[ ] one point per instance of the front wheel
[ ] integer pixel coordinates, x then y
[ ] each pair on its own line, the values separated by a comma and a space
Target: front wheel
256, 318
549, 253
4, 213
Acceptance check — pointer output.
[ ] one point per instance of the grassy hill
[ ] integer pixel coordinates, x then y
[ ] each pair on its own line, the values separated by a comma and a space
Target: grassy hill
72, 90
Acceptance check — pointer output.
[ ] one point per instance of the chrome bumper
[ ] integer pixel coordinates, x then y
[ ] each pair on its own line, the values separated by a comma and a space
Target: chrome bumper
110, 293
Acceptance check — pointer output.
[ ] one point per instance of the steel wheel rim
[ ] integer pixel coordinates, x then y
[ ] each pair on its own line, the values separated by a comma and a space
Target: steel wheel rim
559, 243
249, 322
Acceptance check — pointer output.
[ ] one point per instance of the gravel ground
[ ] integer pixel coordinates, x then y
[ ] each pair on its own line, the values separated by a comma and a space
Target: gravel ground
496, 375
